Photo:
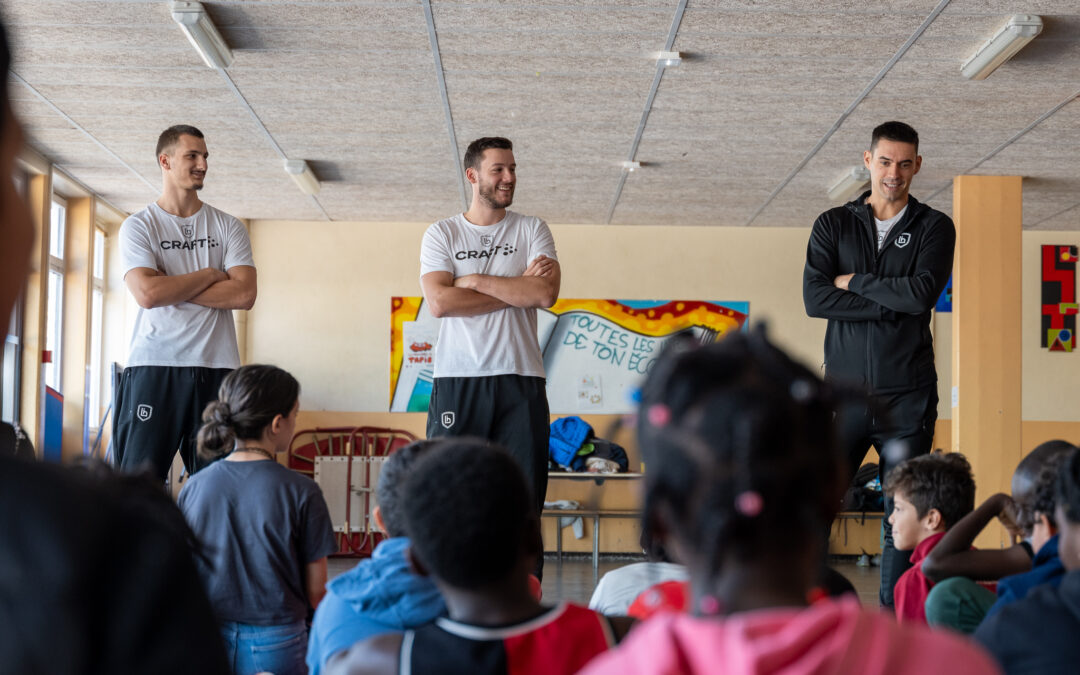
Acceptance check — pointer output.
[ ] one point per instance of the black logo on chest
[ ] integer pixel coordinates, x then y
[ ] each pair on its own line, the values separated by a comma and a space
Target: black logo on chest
488, 252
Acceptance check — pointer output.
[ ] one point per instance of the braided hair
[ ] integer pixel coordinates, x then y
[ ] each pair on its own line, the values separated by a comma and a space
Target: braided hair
740, 449
248, 400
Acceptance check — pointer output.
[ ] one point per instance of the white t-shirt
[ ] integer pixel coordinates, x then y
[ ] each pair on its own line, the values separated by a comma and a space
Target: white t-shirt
184, 334
883, 226
502, 342
619, 588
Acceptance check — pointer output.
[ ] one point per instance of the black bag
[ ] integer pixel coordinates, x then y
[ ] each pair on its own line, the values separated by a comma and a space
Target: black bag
861, 498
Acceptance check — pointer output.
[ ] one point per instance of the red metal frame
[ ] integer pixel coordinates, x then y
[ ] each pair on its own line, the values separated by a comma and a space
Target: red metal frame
349, 442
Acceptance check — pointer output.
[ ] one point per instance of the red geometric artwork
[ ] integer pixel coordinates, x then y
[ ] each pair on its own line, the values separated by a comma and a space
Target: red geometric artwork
1059, 305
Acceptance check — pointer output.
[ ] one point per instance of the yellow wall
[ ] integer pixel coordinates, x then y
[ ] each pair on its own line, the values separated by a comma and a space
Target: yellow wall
325, 288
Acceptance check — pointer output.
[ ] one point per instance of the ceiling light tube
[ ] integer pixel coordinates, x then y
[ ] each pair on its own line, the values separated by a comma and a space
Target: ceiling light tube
1019, 30
850, 185
204, 36
300, 172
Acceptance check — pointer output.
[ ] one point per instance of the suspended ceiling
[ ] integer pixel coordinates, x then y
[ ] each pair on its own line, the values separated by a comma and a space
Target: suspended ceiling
772, 102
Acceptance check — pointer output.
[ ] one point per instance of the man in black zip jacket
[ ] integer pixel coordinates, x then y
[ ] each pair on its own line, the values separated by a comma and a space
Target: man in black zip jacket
875, 268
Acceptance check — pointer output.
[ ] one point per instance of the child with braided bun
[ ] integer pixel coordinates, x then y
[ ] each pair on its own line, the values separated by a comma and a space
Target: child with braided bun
266, 529
743, 475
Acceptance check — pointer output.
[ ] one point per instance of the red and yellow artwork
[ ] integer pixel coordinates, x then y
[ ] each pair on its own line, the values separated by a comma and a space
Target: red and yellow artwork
1059, 305
595, 351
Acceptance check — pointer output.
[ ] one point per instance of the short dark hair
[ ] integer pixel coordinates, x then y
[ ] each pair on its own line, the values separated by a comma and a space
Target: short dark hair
895, 131
170, 136
392, 477
1067, 491
475, 152
941, 481
741, 447
469, 513
248, 400
1040, 468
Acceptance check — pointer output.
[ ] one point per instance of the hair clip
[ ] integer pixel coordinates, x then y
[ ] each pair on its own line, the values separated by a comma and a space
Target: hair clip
659, 415
749, 503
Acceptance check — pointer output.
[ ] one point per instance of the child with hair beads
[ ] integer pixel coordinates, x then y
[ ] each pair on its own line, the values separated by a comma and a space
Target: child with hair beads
266, 528
744, 473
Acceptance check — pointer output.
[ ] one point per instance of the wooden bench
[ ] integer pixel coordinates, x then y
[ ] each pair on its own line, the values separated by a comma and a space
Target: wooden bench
856, 532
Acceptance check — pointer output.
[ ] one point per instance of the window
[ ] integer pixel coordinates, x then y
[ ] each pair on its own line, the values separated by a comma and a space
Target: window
97, 297
55, 307
11, 355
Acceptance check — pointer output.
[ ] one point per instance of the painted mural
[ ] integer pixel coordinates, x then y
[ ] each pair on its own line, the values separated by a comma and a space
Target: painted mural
1059, 307
596, 352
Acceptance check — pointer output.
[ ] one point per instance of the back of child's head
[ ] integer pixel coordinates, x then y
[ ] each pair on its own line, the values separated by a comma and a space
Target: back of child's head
1036, 480
941, 481
740, 449
469, 514
390, 489
1067, 488
249, 399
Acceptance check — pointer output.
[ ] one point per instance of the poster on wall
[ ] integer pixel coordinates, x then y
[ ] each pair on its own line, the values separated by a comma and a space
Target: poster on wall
1059, 307
596, 352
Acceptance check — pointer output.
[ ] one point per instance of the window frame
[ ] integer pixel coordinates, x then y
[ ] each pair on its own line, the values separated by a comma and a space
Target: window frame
54, 306
96, 327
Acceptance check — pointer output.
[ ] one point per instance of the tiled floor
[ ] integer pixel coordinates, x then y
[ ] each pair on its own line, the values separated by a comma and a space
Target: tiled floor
572, 579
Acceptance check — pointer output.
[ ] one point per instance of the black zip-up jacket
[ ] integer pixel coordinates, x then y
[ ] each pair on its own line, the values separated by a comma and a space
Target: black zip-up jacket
879, 330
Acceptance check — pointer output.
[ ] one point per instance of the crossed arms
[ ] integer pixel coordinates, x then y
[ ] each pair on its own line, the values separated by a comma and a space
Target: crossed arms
475, 294
828, 294
209, 287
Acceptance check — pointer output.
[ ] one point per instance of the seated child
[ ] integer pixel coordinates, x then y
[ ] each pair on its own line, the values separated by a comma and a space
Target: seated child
619, 588
266, 528
744, 474
930, 493
473, 528
381, 594
956, 601
1038, 633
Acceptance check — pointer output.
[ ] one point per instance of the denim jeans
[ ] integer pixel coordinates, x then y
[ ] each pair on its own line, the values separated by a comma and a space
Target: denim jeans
276, 649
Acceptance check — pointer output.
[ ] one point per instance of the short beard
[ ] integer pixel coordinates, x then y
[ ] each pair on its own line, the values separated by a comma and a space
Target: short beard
488, 198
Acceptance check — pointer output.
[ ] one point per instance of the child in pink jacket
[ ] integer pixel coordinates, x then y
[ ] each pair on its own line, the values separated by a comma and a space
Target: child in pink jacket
745, 475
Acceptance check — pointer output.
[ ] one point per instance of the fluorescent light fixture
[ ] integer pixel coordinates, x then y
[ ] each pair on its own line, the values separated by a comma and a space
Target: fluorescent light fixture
300, 172
1019, 30
850, 185
204, 36
631, 166
669, 59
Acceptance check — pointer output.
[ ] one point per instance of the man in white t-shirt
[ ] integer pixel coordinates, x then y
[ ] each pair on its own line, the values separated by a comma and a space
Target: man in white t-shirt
188, 266
485, 272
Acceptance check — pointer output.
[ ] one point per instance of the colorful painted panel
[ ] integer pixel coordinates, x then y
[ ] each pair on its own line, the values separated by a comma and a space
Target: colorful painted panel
1059, 306
596, 352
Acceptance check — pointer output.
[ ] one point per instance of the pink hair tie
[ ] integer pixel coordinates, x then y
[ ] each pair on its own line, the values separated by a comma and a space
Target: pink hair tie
749, 503
709, 605
659, 415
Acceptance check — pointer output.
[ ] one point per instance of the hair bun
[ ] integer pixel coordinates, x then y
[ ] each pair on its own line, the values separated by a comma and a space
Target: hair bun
218, 412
